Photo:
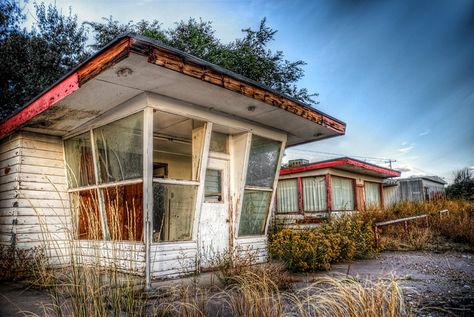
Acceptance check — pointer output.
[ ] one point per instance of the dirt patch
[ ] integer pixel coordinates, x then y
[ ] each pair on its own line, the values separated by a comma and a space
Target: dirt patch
436, 284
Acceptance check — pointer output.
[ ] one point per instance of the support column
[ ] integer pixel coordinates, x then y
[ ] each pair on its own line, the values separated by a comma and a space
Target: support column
148, 190
329, 192
300, 195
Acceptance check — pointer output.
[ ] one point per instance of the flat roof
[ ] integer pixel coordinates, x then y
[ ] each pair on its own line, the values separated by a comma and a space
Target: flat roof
346, 164
158, 54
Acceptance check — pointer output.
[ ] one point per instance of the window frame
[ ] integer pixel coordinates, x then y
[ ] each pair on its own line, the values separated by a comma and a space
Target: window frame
245, 187
99, 186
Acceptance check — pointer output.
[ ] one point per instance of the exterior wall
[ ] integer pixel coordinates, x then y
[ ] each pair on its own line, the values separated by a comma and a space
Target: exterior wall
411, 190
391, 195
304, 219
433, 190
34, 204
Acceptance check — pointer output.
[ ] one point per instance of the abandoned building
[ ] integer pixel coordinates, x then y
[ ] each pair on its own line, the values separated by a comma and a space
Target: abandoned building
420, 188
309, 193
148, 148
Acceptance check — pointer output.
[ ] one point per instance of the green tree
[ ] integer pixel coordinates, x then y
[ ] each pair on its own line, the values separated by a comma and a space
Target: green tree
248, 56
463, 185
33, 60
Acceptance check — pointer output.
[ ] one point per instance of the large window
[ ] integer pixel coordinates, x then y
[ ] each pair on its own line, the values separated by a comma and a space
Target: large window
105, 180
372, 195
262, 164
177, 151
342, 193
287, 196
314, 193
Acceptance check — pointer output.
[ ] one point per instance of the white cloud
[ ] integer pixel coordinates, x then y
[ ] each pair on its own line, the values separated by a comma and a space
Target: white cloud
406, 149
426, 132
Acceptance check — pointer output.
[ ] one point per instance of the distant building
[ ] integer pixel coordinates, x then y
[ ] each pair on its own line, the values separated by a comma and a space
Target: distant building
308, 193
414, 189
298, 162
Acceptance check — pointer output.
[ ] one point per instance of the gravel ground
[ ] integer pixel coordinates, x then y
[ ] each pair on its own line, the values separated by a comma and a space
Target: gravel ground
436, 284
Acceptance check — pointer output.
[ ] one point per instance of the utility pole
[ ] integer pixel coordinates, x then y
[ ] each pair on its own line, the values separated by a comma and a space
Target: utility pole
390, 161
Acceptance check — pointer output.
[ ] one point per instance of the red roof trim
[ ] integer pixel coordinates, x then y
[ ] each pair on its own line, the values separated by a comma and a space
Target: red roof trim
338, 162
58, 92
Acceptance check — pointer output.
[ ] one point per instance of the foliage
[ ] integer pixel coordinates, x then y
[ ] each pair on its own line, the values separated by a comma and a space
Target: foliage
18, 264
33, 60
248, 56
463, 186
315, 249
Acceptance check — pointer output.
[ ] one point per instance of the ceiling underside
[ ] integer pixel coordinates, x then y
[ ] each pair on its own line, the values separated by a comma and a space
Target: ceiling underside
107, 90
362, 171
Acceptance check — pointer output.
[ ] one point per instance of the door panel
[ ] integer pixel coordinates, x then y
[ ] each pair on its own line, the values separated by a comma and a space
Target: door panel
215, 222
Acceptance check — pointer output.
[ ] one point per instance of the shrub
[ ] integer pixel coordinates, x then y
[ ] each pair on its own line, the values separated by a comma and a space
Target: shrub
18, 264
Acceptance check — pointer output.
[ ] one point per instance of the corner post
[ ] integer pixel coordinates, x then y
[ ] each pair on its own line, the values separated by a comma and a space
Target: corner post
148, 189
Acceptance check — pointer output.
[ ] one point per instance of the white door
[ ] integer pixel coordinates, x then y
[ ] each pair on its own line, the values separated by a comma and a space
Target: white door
215, 222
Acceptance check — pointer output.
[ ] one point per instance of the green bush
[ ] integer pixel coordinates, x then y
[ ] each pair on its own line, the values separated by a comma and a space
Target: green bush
344, 239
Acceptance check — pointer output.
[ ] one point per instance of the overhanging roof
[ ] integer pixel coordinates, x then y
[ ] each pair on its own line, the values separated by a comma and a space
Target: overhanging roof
94, 87
346, 164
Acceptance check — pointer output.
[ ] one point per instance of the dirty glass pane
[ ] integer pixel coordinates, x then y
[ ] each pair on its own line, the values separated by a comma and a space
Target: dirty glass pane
124, 212
79, 160
177, 146
372, 194
85, 207
287, 196
219, 142
342, 193
254, 212
173, 212
120, 149
263, 160
213, 185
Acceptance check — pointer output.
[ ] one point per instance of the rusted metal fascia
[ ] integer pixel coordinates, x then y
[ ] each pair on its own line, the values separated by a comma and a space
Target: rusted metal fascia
49, 98
169, 60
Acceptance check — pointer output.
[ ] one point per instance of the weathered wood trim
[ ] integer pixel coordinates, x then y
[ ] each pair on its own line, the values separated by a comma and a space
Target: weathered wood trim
109, 57
50, 97
169, 60
328, 192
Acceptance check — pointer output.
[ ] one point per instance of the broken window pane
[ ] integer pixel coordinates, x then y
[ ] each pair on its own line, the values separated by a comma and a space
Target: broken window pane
219, 142
85, 207
79, 160
173, 212
120, 149
254, 212
213, 185
263, 160
287, 196
177, 146
124, 211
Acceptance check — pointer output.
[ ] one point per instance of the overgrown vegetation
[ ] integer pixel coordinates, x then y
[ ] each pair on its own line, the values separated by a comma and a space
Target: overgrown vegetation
463, 185
19, 264
351, 237
343, 239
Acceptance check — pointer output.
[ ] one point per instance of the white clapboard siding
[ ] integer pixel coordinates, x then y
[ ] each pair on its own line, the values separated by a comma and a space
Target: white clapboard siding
34, 210
169, 260
256, 246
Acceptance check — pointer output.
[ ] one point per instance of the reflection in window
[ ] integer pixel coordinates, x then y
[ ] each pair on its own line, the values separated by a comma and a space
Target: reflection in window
86, 206
342, 193
287, 195
173, 212
120, 149
219, 142
124, 211
314, 193
263, 160
80, 163
213, 185
177, 146
254, 212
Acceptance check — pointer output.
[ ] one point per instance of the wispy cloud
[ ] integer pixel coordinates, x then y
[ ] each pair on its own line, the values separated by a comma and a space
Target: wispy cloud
426, 132
406, 149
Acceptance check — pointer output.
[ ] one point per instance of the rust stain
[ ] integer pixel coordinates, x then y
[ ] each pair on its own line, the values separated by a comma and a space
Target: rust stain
7, 170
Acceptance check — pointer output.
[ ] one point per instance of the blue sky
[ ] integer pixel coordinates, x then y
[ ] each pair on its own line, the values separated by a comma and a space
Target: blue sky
399, 73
